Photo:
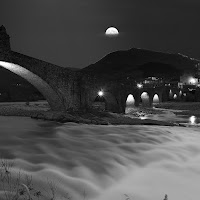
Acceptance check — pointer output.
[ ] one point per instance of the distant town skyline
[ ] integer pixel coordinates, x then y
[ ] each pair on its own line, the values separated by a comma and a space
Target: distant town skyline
72, 33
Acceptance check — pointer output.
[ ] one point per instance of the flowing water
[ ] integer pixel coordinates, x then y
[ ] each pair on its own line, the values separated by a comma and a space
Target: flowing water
167, 115
173, 118
104, 162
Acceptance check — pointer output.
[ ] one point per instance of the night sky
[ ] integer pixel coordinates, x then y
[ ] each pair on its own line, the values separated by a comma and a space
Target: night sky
70, 33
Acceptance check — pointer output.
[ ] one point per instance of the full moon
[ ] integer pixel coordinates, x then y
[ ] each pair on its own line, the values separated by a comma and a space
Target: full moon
112, 31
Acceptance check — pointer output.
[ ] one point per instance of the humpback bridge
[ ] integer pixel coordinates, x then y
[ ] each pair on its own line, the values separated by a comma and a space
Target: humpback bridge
66, 89
58, 85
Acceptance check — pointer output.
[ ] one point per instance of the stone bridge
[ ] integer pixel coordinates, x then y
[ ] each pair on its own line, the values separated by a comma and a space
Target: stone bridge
66, 89
118, 96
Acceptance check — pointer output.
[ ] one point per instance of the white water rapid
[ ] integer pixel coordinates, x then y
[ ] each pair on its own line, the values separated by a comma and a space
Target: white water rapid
104, 162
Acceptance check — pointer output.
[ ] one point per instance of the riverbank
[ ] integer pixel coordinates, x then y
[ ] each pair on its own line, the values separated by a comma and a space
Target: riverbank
41, 110
185, 108
97, 118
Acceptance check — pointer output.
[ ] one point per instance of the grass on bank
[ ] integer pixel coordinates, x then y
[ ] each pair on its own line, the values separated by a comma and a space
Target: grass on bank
22, 187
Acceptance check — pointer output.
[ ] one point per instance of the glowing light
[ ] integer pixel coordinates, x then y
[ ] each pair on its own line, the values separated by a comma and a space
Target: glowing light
139, 85
112, 31
130, 100
193, 81
175, 96
144, 117
156, 99
180, 93
145, 99
170, 94
130, 104
192, 120
144, 95
100, 93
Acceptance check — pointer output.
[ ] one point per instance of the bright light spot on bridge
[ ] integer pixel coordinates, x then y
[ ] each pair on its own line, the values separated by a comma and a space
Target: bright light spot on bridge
130, 104
130, 99
156, 99
193, 81
145, 99
175, 96
170, 93
192, 120
100, 93
144, 95
139, 85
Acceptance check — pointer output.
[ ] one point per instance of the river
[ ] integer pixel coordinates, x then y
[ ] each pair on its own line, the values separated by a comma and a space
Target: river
104, 162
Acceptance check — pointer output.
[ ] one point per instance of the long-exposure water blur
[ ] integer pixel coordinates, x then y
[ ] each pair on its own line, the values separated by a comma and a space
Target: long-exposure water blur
104, 162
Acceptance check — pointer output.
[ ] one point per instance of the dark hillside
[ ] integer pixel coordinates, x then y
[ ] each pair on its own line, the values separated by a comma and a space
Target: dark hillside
140, 63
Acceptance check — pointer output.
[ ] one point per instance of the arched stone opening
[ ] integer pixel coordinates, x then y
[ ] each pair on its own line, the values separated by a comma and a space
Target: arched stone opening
43, 87
99, 103
170, 94
175, 97
156, 99
107, 102
14, 88
145, 99
130, 104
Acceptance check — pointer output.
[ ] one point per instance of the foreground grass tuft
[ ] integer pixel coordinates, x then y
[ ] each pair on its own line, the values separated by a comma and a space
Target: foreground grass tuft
21, 187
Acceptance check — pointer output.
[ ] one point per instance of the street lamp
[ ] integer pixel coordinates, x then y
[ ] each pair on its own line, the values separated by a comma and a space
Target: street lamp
100, 93
193, 81
139, 85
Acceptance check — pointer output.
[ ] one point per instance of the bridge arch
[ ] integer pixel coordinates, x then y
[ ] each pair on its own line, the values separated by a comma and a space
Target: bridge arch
43, 87
175, 96
156, 98
108, 101
145, 98
130, 103
171, 94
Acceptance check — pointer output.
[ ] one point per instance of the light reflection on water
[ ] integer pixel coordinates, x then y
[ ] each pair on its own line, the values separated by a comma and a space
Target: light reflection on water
190, 120
166, 116
193, 120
